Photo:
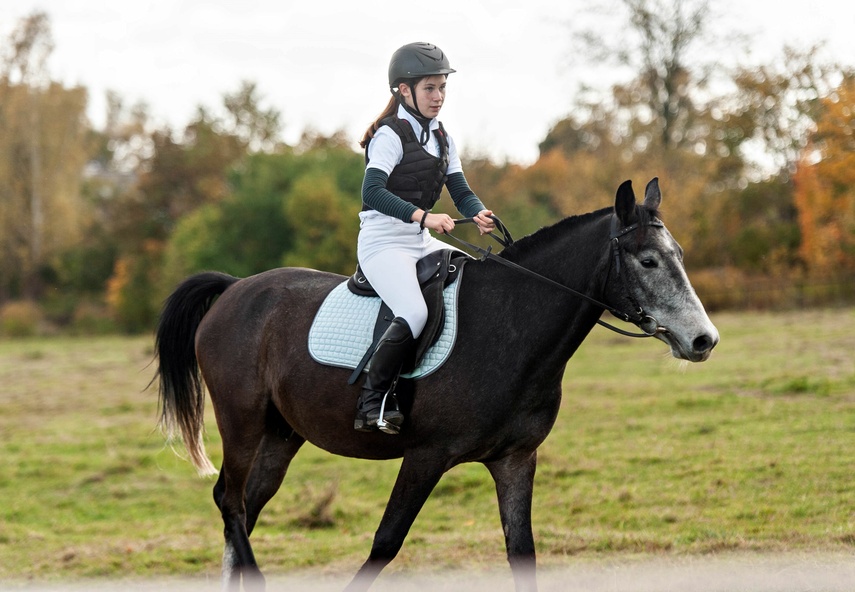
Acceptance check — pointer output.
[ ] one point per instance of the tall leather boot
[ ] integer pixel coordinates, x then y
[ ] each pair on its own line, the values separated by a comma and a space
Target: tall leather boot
392, 350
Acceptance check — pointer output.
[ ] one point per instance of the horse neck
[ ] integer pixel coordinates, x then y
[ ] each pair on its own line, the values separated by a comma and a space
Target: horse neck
573, 253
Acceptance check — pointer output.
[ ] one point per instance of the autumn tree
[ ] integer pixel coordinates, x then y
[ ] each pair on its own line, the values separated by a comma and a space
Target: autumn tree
180, 176
724, 155
779, 103
825, 187
659, 42
256, 127
43, 147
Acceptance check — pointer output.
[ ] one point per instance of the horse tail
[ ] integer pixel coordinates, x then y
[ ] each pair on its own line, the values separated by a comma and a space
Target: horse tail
182, 395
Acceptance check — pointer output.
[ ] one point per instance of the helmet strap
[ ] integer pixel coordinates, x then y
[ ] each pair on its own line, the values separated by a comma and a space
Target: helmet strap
424, 122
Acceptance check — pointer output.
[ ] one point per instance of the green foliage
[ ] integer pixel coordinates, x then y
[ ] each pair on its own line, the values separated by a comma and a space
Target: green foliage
325, 224
86, 267
290, 207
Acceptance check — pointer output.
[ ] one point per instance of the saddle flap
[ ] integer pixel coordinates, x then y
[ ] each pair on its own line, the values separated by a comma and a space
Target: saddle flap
343, 327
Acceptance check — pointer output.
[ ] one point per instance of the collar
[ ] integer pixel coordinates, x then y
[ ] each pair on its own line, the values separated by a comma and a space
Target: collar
415, 123
404, 114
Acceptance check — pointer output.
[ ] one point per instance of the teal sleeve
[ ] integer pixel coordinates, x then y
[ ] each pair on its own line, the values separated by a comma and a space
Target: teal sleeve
377, 197
465, 200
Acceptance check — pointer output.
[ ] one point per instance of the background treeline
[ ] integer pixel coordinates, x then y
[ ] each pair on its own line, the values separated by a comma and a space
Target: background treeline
98, 225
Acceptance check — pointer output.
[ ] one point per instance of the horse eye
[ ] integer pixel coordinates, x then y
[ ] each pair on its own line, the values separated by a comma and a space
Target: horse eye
649, 263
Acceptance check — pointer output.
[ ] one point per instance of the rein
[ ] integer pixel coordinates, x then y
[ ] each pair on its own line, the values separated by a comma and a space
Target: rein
648, 324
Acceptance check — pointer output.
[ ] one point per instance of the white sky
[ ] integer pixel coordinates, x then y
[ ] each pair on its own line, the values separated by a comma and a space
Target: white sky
323, 63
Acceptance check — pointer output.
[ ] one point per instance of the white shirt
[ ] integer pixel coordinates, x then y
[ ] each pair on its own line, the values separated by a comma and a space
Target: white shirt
385, 150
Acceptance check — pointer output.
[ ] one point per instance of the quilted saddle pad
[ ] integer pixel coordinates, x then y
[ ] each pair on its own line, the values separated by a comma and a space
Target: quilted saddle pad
343, 330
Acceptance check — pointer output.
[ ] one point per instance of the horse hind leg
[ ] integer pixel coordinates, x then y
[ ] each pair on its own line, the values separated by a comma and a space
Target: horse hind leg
277, 446
255, 458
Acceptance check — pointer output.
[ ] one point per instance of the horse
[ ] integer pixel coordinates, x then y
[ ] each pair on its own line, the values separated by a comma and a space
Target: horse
493, 401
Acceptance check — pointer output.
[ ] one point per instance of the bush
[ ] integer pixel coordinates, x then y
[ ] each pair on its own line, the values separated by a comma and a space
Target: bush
20, 319
91, 318
729, 288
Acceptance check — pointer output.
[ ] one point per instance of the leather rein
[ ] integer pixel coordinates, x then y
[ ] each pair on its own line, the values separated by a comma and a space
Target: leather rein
647, 323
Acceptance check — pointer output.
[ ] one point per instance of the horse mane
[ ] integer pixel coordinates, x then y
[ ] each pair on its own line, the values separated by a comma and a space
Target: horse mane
549, 233
563, 227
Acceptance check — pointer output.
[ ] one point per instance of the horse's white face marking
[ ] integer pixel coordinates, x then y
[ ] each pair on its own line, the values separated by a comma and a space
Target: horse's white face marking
658, 282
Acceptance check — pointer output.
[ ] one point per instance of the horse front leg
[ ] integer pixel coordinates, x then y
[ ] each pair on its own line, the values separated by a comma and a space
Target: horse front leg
419, 474
514, 477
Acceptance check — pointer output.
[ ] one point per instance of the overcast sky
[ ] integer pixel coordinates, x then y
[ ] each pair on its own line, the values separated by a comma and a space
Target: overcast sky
323, 63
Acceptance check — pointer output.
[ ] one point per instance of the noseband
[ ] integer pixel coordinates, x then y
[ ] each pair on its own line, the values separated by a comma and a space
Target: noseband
647, 323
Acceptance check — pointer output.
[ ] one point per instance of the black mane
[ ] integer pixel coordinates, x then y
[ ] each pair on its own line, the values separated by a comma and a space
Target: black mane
549, 233
531, 242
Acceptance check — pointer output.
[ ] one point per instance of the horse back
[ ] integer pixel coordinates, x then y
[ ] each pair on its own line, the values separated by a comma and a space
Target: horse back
257, 312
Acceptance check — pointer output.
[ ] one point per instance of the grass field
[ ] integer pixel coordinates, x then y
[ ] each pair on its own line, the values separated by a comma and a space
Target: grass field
751, 452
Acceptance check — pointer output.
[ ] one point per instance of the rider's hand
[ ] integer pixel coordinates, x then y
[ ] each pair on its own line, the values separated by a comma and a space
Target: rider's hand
441, 223
484, 222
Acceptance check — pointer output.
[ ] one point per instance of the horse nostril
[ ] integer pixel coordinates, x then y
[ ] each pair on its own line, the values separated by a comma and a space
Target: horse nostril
702, 344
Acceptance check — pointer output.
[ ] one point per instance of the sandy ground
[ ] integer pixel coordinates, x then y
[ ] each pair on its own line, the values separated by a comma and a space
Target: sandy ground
739, 573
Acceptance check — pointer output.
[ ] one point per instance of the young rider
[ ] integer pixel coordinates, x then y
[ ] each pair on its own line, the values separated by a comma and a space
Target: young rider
409, 158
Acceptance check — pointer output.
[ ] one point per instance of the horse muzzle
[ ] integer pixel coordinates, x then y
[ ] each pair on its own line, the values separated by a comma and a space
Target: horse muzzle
697, 349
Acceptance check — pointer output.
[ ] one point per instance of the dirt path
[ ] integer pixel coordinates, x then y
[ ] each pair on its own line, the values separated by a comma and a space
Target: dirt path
737, 573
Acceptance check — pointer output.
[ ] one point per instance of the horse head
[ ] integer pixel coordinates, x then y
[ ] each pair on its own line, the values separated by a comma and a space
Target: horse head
647, 277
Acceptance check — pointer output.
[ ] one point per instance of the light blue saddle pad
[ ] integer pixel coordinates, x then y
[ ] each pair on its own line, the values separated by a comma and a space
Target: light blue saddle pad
343, 330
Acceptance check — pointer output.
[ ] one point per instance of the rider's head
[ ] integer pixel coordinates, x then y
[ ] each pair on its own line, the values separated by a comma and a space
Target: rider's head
418, 71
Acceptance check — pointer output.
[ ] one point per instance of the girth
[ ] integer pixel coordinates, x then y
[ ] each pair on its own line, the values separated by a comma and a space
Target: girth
434, 271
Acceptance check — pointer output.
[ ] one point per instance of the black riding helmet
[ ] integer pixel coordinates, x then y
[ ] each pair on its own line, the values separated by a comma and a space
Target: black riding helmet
415, 61
411, 63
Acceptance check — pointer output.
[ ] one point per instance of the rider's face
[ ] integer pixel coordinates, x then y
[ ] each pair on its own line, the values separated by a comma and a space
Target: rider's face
430, 95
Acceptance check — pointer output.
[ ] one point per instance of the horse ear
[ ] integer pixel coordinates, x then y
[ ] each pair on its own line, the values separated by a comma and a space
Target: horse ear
625, 203
652, 195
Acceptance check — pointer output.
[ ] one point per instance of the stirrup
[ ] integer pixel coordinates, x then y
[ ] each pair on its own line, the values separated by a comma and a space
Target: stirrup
383, 425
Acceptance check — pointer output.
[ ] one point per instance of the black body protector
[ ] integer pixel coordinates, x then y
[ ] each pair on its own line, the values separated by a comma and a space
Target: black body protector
420, 176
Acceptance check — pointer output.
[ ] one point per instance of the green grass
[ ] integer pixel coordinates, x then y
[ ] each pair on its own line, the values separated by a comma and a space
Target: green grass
751, 451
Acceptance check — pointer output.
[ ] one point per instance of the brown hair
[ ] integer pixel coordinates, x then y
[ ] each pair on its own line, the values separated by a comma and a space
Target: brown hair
391, 109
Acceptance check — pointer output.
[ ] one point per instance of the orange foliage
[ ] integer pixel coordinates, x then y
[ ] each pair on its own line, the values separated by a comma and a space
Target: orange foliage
825, 189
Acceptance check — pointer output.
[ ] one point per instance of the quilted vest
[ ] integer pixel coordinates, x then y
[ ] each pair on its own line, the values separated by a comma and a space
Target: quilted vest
420, 176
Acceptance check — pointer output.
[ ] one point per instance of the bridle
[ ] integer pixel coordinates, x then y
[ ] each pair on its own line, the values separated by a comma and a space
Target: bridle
647, 323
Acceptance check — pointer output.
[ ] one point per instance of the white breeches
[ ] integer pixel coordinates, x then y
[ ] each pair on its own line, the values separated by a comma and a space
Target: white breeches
388, 250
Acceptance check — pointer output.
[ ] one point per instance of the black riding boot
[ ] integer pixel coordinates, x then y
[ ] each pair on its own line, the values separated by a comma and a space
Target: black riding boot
393, 348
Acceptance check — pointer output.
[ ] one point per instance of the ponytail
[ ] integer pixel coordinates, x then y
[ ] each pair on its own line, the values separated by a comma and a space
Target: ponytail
391, 109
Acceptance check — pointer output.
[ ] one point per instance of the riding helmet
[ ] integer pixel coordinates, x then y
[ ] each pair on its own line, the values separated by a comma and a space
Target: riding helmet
417, 60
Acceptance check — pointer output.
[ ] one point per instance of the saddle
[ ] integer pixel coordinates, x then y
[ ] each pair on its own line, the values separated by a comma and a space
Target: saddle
434, 272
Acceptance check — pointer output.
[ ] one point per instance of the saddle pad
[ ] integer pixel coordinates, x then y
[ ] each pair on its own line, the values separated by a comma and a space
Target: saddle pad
343, 330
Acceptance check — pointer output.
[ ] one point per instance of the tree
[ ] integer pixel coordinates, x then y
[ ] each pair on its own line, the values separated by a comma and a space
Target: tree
44, 143
259, 129
656, 45
666, 121
297, 206
825, 187
244, 234
325, 222
778, 104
